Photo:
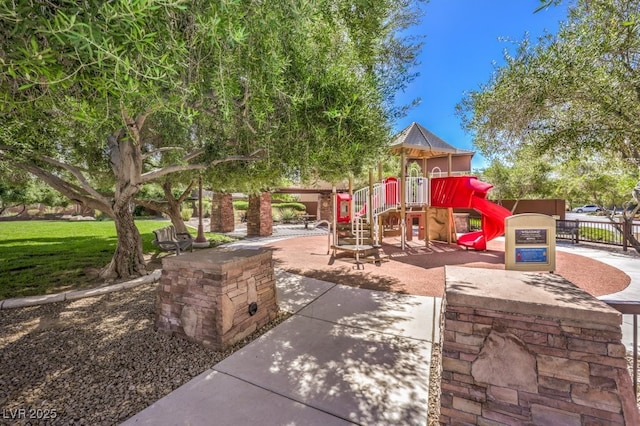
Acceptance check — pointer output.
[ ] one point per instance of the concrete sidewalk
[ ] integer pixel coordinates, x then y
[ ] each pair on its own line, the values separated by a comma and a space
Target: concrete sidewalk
629, 263
346, 356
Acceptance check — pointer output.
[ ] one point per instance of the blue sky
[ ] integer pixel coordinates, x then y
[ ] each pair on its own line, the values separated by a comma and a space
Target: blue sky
461, 44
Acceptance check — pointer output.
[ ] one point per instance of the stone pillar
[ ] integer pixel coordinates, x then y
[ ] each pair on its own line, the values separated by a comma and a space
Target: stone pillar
216, 297
530, 348
222, 219
462, 222
326, 207
259, 218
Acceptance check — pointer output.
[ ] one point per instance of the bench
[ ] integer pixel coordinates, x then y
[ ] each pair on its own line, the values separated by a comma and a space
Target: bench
568, 228
167, 239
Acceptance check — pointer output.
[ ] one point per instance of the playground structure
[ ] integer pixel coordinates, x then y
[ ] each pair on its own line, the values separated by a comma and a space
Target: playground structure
391, 206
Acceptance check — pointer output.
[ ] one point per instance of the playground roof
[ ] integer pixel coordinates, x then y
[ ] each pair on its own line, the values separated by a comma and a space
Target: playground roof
418, 142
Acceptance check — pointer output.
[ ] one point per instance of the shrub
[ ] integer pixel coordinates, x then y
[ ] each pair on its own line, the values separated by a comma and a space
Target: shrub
597, 234
140, 211
284, 198
206, 208
276, 214
101, 216
287, 214
241, 205
293, 206
186, 212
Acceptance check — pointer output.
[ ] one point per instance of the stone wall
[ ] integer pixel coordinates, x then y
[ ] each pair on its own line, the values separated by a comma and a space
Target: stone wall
461, 221
222, 219
259, 218
326, 207
530, 348
206, 296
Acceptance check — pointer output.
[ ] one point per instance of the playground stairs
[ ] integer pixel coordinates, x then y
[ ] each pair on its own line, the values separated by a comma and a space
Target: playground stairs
357, 244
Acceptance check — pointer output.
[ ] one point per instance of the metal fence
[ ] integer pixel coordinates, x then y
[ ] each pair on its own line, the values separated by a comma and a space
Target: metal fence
475, 224
603, 232
611, 233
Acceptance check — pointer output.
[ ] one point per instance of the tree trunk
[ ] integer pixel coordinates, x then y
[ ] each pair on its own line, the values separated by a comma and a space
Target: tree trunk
515, 206
174, 213
173, 209
128, 260
126, 162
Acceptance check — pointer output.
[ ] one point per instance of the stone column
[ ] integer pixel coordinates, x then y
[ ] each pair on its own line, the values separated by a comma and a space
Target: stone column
326, 207
259, 219
529, 348
222, 213
216, 297
462, 222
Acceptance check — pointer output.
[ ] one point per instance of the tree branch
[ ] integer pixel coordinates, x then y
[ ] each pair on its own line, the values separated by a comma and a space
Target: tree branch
77, 174
193, 155
151, 204
175, 168
69, 190
158, 150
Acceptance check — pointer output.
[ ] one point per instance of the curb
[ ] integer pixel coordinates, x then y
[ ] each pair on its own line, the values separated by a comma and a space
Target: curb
21, 302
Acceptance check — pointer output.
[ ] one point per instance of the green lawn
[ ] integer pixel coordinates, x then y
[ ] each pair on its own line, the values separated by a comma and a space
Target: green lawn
40, 257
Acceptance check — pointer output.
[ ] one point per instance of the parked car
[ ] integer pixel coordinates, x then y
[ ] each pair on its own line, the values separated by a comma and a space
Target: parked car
587, 208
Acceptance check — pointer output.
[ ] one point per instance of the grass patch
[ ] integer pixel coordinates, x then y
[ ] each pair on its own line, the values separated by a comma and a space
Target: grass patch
597, 234
42, 257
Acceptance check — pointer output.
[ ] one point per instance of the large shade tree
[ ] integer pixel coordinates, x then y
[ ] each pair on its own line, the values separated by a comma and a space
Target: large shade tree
570, 94
99, 98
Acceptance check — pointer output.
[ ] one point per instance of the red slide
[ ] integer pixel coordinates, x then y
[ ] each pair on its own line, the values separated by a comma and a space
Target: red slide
469, 192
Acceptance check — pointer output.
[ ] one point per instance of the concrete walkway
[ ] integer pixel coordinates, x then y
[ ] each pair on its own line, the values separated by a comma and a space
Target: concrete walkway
346, 356
627, 262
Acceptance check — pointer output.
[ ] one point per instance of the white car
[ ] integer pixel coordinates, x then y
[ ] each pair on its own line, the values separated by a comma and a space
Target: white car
587, 208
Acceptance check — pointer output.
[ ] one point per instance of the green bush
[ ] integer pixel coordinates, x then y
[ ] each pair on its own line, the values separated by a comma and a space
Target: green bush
140, 211
276, 214
284, 198
99, 215
287, 215
597, 234
293, 206
206, 208
241, 205
186, 212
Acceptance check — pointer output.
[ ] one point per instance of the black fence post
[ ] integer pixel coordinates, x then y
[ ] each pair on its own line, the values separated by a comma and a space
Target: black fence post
625, 233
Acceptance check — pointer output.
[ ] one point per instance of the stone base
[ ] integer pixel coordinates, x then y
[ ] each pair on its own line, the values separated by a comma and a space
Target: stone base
530, 348
216, 297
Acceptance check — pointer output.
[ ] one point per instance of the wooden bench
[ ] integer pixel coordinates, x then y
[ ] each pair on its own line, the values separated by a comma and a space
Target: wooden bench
167, 239
569, 228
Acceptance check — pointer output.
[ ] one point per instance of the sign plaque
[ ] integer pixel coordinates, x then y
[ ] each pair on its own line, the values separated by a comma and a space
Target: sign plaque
530, 242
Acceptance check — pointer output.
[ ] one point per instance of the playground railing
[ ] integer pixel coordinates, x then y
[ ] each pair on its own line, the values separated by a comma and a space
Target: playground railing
417, 191
438, 174
359, 203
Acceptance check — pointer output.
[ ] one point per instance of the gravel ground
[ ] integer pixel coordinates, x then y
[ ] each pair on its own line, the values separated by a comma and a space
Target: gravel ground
94, 361
435, 375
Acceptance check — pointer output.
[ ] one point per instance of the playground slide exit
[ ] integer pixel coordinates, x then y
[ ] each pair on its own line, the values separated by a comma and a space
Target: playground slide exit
469, 192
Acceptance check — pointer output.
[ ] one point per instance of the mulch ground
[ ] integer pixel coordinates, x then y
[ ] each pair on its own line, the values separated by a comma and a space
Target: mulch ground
420, 270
